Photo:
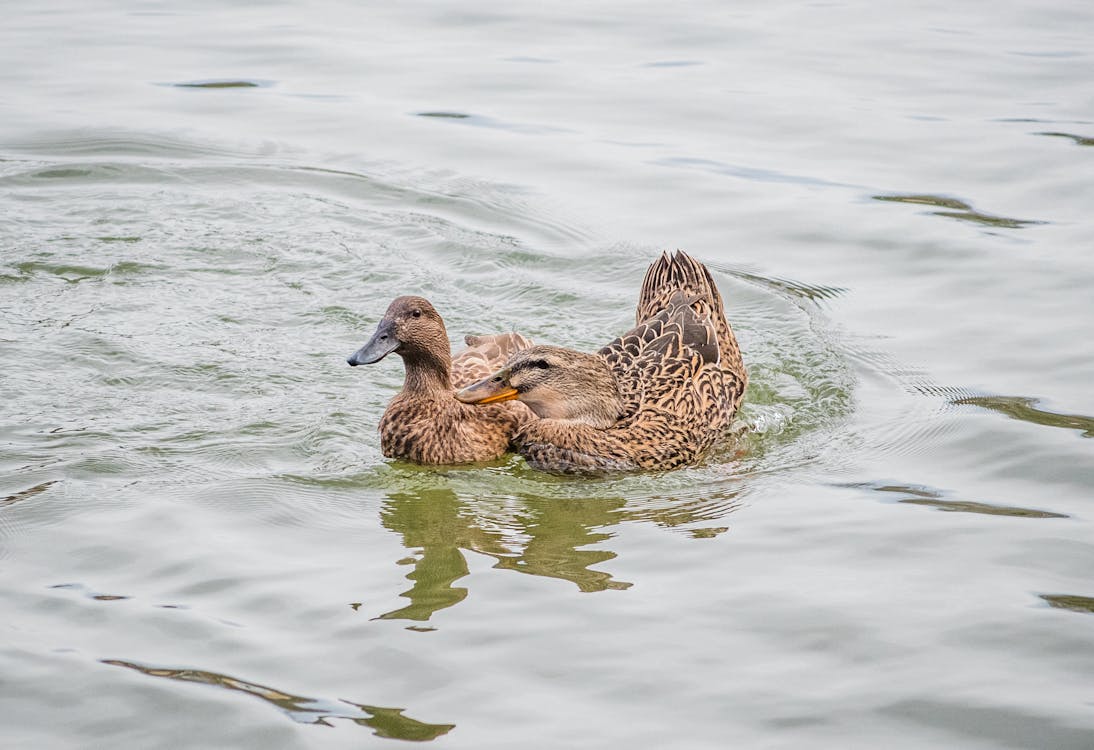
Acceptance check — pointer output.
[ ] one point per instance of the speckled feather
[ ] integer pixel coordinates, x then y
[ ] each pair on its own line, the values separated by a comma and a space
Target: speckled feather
435, 428
441, 430
679, 372
484, 355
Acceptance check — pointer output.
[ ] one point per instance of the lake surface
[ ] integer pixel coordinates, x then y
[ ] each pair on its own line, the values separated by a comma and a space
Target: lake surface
205, 207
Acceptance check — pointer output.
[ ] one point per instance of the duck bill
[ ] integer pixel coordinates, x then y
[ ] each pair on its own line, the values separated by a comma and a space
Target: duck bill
490, 390
382, 343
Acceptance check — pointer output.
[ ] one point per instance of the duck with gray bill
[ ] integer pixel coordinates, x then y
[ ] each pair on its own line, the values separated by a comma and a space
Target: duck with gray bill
424, 423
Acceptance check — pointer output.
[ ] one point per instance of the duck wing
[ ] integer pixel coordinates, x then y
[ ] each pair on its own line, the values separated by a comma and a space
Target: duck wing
484, 356
657, 362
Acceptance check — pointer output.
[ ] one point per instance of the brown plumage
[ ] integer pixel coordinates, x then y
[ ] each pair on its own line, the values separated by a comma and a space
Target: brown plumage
423, 422
657, 397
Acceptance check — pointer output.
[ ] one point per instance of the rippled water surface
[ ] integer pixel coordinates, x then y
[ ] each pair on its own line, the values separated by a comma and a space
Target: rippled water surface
204, 208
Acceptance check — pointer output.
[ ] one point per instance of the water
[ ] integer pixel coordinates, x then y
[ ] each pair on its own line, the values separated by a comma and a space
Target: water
204, 209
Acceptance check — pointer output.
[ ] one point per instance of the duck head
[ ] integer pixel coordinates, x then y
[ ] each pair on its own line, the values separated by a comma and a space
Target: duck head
555, 383
411, 328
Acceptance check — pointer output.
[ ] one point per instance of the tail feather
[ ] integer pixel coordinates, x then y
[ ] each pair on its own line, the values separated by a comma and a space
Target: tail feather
680, 273
669, 274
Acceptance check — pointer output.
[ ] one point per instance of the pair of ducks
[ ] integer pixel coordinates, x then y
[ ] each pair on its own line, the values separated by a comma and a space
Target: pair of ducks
657, 397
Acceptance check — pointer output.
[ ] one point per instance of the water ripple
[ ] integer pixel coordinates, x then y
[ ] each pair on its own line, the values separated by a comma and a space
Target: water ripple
752, 174
385, 722
920, 495
1083, 604
1025, 409
221, 83
102, 142
482, 121
27, 493
993, 726
958, 209
1080, 140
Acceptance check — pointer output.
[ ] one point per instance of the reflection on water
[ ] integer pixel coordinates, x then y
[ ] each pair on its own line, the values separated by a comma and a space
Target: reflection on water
684, 509
434, 522
551, 537
29, 492
386, 722
483, 121
440, 527
89, 593
709, 532
555, 532
1023, 408
958, 209
992, 727
919, 495
451, 115
218, 84
1079, 139
1084, 604
984, 508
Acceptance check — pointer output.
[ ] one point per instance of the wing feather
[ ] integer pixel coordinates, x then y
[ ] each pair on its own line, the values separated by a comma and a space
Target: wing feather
484, 356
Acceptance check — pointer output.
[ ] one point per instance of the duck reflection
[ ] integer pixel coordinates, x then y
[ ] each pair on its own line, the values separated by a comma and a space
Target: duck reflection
436, 523
555, 530
538, 536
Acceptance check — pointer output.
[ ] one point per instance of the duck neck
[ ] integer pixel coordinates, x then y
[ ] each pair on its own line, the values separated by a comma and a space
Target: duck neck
427, 373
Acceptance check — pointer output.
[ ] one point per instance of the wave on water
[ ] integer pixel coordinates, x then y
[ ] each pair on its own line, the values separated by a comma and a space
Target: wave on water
385, 722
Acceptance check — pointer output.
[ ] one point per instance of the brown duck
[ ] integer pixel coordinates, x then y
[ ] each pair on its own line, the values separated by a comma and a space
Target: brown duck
657, 397
423, 422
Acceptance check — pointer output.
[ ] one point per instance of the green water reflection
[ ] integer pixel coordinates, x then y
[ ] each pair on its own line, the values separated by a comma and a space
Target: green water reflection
1025, 409
441, 527
920, 495
557, 530
560, 538
1080, 140
958, 209
1084, 604
385, 722
217, 85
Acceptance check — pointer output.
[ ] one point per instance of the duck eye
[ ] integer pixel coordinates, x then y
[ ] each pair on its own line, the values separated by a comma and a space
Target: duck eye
417, 313
540, 363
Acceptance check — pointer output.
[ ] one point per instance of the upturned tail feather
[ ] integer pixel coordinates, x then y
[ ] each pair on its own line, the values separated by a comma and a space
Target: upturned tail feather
678, 272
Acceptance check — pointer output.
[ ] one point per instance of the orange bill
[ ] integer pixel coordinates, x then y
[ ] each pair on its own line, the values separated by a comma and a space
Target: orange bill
488, 390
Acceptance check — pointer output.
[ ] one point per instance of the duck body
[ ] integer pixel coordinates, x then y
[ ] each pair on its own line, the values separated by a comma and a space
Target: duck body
438, 429
665, 391
424, 423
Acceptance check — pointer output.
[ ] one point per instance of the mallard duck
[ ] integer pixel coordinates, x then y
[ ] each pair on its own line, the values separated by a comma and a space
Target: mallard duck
423, 422
657, 397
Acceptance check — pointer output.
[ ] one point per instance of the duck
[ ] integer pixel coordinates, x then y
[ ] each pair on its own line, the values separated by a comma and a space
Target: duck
655, 398
424, 423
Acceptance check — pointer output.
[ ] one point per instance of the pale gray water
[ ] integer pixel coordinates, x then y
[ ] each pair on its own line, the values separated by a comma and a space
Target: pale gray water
204, 209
